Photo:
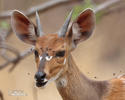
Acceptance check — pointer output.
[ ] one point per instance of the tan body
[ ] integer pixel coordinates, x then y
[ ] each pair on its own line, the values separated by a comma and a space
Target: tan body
55, 63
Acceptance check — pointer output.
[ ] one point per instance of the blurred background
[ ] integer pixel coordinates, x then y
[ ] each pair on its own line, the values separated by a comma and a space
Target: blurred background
101, 57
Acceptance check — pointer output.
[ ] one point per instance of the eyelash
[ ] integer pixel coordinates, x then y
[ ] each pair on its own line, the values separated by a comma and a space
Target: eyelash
60, 54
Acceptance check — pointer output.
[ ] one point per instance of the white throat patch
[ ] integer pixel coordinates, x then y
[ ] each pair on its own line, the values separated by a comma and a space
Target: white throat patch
62, 82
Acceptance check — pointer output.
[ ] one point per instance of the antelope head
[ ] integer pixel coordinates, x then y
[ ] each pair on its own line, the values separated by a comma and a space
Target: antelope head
52, 50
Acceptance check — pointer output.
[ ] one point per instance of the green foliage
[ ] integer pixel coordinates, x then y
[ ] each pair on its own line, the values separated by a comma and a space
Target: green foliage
4, 25
80, 8
86, 4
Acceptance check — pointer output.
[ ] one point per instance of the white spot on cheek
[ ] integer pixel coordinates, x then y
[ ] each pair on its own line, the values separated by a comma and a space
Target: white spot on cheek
48, 58
64, 61
40, 57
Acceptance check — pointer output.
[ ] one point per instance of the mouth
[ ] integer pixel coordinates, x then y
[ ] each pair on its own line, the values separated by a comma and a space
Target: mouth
41, 83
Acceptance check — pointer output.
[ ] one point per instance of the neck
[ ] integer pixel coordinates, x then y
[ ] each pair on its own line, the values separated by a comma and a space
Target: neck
72, 85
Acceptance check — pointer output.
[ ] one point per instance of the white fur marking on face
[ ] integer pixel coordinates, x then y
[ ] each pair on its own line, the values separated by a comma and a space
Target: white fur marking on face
64, 61
40, 57
45, 80
48, 58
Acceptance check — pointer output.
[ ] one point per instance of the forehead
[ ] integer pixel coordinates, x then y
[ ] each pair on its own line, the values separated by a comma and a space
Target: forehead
50, 41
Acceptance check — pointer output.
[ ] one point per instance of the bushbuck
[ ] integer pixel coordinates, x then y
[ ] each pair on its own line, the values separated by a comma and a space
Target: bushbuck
54, 60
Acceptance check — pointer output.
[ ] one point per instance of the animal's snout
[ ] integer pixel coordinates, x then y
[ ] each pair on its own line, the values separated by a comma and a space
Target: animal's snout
40, 79
40, 76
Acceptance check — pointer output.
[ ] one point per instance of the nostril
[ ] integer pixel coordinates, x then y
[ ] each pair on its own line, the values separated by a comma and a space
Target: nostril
43, 76
40, 76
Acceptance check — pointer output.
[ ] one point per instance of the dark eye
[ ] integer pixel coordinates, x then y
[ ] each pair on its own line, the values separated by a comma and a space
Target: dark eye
36, 53
60, 53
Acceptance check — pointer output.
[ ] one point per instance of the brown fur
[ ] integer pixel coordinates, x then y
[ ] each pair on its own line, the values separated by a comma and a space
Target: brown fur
71, 83
117, 89
79, 87
51, 44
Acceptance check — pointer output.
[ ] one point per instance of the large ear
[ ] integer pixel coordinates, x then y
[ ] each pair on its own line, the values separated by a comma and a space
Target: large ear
23, 27
82, 27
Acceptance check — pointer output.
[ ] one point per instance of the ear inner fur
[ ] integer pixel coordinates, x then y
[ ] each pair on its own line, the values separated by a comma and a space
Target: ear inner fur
23, 27
82, 28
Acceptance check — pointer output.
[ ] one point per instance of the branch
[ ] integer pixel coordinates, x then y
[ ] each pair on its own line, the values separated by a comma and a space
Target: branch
105, 5
5, 48
4, 34
32, 10
9, 48
21, 56
17, 59
113, 10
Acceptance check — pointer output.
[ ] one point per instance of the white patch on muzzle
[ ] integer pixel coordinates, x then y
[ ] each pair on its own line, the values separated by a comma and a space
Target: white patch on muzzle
40, 57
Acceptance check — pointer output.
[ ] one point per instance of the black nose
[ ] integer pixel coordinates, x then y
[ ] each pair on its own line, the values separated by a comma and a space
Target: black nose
40, 76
